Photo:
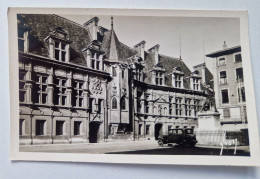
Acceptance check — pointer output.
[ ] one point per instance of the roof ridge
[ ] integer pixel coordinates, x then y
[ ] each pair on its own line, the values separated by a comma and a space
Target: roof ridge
170, 57
73, 22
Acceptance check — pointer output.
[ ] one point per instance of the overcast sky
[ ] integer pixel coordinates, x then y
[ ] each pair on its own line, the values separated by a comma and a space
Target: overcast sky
166, 31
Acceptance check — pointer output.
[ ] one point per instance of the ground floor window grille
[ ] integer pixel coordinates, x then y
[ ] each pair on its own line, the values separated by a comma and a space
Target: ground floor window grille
40, 127
77, 126
59, 127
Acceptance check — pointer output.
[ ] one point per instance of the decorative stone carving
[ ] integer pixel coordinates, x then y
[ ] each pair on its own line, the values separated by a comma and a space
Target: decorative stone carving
95, 86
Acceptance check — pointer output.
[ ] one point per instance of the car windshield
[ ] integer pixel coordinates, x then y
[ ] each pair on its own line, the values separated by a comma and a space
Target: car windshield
176, 131
189, 131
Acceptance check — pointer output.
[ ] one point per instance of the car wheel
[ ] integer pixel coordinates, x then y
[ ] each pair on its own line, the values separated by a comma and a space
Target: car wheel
160, 142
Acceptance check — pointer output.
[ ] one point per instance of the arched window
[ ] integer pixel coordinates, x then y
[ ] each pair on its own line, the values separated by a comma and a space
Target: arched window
165, 111
114, 103
123, 105
113, 71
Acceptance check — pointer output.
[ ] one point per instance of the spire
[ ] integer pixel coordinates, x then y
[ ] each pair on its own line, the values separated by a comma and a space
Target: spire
180, 45
112, 22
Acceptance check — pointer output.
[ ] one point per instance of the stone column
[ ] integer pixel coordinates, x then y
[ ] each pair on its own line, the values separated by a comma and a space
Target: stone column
69, 90
28, 84
50, 88
67, 57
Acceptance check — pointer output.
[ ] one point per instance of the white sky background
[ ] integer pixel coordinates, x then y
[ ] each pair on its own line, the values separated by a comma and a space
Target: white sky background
166, 32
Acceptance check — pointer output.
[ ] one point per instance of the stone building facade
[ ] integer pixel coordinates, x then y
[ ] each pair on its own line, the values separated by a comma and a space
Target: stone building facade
79, 83
229, 88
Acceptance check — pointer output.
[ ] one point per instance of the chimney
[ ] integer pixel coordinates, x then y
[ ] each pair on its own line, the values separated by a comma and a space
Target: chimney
140, 47
92, 26
224, 45
155, 50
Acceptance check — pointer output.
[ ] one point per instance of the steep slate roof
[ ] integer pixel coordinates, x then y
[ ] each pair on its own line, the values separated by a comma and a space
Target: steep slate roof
168, 63
115, 50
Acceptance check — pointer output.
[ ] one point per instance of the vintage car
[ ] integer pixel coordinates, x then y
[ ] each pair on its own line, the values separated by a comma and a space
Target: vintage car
184, 137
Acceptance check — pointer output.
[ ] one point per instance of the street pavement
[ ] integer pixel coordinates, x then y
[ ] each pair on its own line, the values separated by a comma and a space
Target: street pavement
133, 147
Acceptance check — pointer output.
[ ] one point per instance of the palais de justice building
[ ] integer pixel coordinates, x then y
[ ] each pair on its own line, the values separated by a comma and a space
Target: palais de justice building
79, 83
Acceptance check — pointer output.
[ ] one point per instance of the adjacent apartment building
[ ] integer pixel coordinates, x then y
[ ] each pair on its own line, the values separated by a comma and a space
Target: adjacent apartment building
79, 83
229, 88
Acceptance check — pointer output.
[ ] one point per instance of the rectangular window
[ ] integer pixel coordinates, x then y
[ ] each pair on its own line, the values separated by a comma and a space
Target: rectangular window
97, 67
59, 127
22, 40
40, 126
196, 107
239, 75
91, 105
241, 94
238, 58
221, 61
187, 107
178, 81
195, 84
77, 125
22, 90
78, 87
93, 63
41, 83
225, 98
140, 129
178, 106
223, 77
60, 91
159, 78
169, 129
60, 51
147, 129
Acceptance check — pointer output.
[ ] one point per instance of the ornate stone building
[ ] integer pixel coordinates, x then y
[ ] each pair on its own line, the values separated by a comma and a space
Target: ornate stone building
79, 83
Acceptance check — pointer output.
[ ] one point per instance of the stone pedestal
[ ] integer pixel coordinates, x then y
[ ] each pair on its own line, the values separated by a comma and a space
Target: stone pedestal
209, 131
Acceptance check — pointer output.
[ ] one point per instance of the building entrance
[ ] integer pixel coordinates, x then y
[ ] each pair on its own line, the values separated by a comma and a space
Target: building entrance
94, 132
157, 130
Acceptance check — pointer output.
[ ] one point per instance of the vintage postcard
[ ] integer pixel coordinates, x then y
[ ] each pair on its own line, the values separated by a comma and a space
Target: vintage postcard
132, 86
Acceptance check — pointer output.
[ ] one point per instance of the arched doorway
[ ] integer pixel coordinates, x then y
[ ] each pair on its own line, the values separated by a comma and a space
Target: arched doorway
157, 130
93, 132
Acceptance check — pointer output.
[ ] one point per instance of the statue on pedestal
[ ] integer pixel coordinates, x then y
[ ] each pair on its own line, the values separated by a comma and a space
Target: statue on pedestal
210, 103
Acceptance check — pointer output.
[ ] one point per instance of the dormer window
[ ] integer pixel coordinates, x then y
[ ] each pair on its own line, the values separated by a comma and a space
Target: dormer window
196, 84
178, 81
177, 78
60, 51
159, 78
23, 42
58, 45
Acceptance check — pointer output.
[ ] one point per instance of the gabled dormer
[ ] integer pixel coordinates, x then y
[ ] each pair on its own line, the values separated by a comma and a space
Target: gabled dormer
195, 80
177, 77
59, 45
94, 55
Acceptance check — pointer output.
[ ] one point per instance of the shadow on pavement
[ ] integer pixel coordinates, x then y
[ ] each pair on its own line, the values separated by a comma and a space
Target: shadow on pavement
177, 150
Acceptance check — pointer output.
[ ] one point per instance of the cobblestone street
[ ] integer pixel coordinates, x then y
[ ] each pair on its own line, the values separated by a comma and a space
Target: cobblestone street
133, 147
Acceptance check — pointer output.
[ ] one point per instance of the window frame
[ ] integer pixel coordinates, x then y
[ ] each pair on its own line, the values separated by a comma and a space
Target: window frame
60, 50
223, 63
225, 79
242, 79
60, 93
227, 96
114, 103
40, 84
234, 57
79, 89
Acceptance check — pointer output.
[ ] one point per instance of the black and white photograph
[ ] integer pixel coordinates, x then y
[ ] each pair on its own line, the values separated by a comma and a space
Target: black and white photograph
132, 85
